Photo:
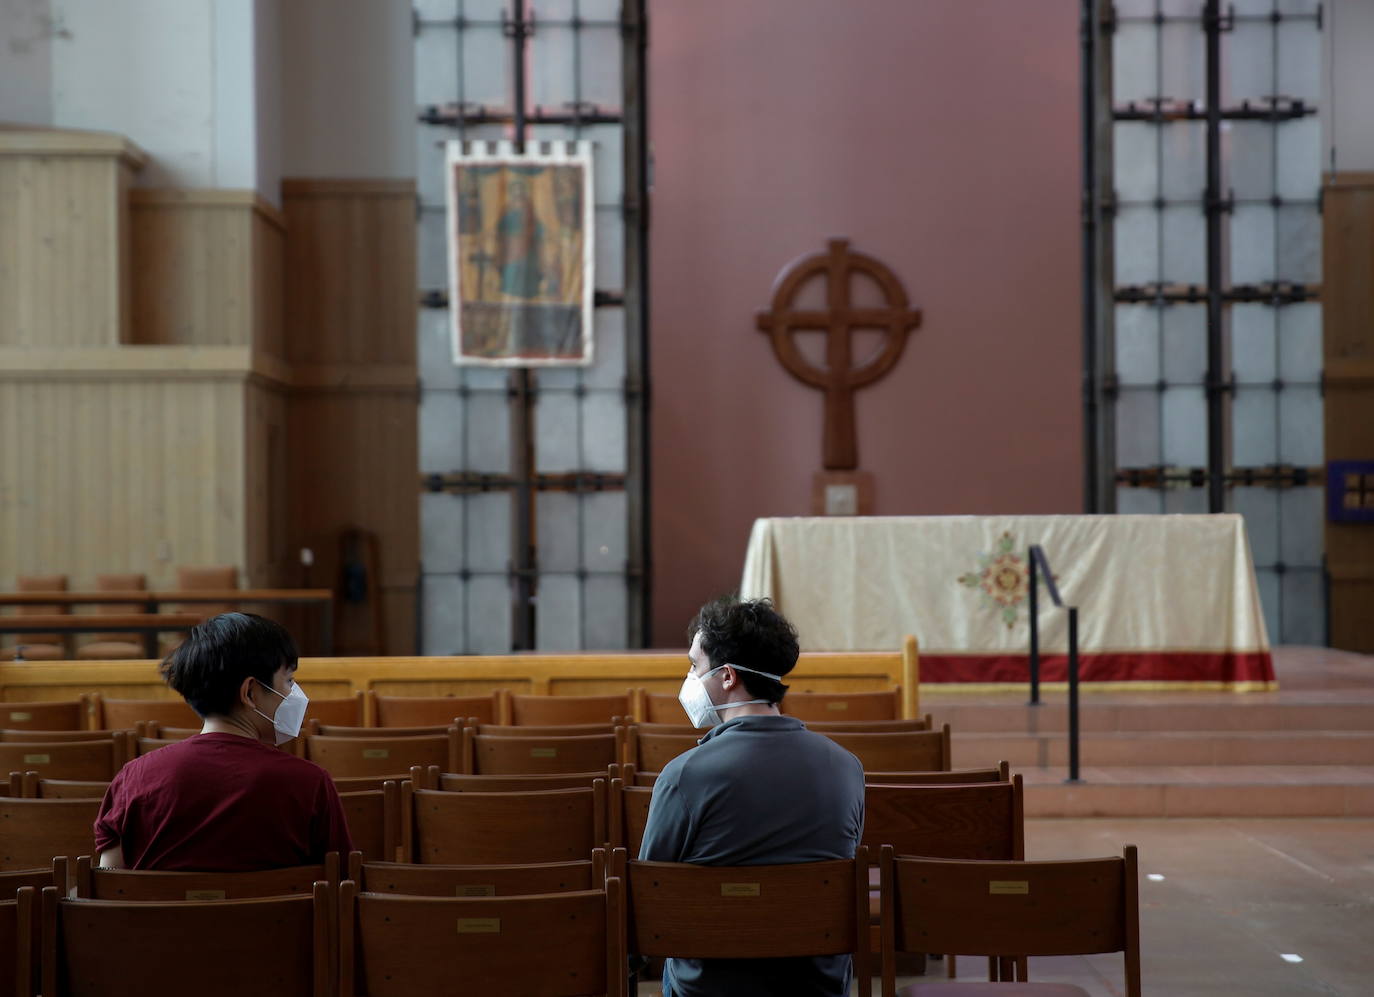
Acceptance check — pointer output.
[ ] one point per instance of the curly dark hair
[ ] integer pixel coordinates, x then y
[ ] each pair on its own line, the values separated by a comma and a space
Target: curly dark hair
220, 653
750, 633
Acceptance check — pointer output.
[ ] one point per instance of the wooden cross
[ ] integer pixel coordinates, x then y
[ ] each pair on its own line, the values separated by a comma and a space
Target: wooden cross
839, 379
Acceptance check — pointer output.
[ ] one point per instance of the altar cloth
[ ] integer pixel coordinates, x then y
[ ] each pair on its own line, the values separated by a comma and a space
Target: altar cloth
1164, 601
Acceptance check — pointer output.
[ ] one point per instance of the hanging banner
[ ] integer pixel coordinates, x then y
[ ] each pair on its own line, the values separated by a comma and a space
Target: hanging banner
521, 246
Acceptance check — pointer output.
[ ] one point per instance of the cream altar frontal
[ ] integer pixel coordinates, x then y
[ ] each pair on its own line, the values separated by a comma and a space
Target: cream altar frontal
1164, 601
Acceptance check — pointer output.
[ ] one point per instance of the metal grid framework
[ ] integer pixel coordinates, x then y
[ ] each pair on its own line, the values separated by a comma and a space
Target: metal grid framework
1204, 372
533, 507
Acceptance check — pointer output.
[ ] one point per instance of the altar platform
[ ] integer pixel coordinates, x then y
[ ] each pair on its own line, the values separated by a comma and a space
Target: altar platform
1165, 602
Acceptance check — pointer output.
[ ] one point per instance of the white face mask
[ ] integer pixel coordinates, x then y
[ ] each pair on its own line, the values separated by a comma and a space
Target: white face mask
696, 701
290, 712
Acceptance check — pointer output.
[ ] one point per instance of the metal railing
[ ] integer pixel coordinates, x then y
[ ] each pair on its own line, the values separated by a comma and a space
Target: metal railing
1040, 567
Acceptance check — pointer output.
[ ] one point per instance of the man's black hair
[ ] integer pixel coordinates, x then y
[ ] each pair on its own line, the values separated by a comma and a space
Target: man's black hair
220, 653
751, 634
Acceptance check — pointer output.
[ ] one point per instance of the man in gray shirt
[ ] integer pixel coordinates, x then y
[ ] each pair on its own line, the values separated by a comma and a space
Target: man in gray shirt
759, 789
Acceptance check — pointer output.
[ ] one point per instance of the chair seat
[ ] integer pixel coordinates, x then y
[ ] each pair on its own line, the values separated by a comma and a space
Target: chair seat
111, 650
36, 652
944, 988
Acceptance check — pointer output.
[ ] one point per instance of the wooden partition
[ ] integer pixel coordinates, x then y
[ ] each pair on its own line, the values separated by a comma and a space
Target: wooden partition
545, 674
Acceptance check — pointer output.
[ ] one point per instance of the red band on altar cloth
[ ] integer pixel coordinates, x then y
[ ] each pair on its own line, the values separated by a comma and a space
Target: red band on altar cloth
1117, 666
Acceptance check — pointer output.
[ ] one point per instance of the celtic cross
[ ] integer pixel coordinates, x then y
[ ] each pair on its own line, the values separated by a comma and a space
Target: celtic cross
839, 378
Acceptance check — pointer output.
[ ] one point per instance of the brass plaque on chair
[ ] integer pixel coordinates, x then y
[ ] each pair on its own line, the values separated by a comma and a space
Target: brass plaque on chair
479, 926
38, 759
739, 889
21, 715
1008, 887
376, 753
475, 890
543, 752
204, 894
837, 706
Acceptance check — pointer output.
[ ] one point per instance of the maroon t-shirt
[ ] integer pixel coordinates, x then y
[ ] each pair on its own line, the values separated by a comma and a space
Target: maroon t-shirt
221, 803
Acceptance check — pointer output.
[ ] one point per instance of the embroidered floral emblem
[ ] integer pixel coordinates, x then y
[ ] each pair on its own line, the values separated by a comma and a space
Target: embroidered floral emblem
1002, 579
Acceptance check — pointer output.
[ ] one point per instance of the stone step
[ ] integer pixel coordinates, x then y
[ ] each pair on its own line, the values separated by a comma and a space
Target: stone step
1237, 715
1222, 791
1156, 747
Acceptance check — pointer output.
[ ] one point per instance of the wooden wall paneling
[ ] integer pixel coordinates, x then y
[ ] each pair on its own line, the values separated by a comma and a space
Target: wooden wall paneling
267, 559
1348, 361
120, 460
64, 237
206, 262
269, 281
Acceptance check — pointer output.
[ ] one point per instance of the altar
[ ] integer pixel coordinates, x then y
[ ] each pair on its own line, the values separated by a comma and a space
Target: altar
1164, 601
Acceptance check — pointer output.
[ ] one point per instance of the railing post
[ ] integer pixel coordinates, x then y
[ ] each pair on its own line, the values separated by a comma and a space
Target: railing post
1034, 610
1073, 694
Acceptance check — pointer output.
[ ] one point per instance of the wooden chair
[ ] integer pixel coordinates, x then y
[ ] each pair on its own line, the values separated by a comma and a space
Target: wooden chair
126, 714
279, 946
374, 818
39, 647
54, 874
885, 705
484, 754
456, 782
1001, 773
421, 711
1009, 908
646, 727
35, 788
560, 825
546, 730
555, 710
478, 880
145, 745
650, 752
345, 711
969, 821
67, 759
161, 732
634, 777
115, 646
629, 807
391, 757
660, 708
899, 751
149, 885
751, 912
62, 715
37, 831
221, 577
18, 939
364, 783
552, 944
54, 736
314, 728
869, 726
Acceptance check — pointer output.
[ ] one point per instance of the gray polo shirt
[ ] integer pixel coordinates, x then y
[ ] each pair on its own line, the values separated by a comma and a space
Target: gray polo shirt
757, 790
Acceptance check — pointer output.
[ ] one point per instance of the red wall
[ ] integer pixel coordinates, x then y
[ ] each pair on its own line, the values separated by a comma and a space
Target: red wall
940, 136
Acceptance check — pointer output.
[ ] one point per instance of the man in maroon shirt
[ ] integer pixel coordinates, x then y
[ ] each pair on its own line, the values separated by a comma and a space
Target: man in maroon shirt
226, 799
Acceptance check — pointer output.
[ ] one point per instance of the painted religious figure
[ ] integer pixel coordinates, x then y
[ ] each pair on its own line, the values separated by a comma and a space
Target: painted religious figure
520, 253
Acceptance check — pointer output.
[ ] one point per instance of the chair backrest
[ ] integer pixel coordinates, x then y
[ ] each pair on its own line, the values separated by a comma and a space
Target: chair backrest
972, 821
345, 711
558, 710
162, 732
374, 821
869, 726
152, 885
126, 714
557, 825
1075, 907
218, 577
66, 759
314, 728
455, 782
545, 730
661, 708
629, 808
1001, 773
650, 752
18, 939
898, 751
748, 912
384, 756
53, 736
421, 711
36, 831
484, 754
645, 727
36, 788
42, 583
273, 945
118, 583
553, 944
478, 880
884, 705
65, 715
